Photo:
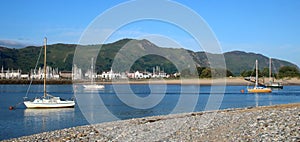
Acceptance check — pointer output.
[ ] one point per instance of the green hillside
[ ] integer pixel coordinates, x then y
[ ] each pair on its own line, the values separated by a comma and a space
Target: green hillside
61, 56
238, 61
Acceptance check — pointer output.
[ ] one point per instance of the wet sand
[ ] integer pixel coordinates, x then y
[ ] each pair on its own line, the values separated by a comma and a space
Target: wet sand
208, 81
220, 81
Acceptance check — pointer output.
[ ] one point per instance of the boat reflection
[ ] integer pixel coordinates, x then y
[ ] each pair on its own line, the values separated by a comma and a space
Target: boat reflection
41, 120
256, 100
48, 112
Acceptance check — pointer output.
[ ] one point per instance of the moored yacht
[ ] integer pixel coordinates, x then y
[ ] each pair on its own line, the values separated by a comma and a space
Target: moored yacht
47, 100
256, 88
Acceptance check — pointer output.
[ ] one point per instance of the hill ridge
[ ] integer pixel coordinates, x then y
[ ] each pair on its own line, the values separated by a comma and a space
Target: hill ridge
60, 56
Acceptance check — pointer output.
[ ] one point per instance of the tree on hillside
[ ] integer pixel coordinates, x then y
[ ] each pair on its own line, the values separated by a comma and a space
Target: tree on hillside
288, 71
200, 69
206, 73
247, 73
265, 72
215, 73
252, 73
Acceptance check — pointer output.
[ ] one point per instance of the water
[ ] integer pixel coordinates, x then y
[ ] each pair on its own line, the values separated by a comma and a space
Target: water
22, 121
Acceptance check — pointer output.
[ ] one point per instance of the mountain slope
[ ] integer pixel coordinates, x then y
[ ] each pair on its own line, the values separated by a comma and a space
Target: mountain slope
238, 61
61, 56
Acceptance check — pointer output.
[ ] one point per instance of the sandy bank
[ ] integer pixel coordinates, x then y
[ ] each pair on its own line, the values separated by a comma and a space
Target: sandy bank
224, 81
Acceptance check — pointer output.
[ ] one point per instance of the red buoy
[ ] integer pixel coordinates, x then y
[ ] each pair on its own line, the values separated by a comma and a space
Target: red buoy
242, 91
11, 108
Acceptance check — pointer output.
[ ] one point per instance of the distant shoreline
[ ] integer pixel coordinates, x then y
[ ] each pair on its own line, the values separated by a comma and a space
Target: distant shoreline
24, 81
234, 81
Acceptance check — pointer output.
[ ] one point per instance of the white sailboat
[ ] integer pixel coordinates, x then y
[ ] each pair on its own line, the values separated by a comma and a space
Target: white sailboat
93, 86
47, 100
272, 83
257, 88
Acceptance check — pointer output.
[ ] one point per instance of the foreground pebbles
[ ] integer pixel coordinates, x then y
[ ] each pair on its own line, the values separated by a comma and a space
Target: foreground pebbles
271, 123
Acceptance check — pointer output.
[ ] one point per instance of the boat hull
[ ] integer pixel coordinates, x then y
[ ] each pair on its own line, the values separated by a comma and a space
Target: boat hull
92, 86
279, 87
260, 90
54, 102
274, 85
49, 105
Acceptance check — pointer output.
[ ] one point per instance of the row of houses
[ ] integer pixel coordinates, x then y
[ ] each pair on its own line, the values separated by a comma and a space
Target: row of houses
10, 73
131, 75
52, 73
76, 74
109, 75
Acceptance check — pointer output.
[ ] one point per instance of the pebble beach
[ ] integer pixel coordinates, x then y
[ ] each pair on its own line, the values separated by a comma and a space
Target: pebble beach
267, 123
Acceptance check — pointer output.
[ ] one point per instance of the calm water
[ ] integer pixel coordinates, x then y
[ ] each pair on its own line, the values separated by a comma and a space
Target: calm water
22, 121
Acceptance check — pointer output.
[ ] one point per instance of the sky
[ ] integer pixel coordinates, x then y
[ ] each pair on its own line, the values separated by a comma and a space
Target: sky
268, 27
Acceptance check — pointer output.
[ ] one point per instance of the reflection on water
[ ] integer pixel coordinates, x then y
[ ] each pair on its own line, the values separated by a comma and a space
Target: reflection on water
46, 119
266, 99
270, 99
48, 112
256, 99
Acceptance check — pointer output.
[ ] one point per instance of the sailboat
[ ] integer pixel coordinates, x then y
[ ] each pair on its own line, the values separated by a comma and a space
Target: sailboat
47, 100
93, 86
271, 83
257, 88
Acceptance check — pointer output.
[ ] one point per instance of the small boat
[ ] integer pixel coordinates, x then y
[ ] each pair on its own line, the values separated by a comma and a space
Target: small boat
47, 100
271, 83
274, 85
257, 88
93, 86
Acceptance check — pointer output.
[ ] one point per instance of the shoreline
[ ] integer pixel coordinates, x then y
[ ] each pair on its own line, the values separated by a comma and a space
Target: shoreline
263, 123
234, 81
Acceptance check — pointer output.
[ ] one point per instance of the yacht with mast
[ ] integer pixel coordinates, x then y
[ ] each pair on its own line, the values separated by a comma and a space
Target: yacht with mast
47, 100
93, 85
272, 83
257, 88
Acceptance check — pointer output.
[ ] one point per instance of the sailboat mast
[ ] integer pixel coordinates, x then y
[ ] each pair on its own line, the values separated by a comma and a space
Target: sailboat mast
45, 66
270, 69
92, 70
256, 74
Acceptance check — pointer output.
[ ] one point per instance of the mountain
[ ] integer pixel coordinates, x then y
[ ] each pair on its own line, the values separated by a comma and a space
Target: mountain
58, 55
238, 61
144, 54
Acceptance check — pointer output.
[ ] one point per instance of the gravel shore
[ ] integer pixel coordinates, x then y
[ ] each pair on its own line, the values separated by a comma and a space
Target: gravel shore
270, 123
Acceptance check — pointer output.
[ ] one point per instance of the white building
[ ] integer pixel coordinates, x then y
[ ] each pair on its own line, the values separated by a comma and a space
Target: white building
147, 75
24, 76
110, 75
10, 74
138, 75
52, 73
